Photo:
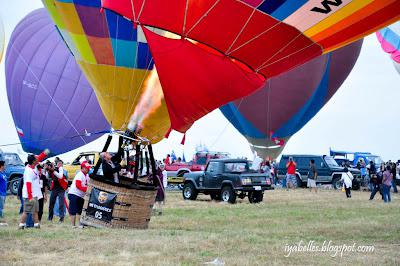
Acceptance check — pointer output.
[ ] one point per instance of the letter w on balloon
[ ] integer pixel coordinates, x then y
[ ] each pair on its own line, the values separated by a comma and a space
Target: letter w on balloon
326, 9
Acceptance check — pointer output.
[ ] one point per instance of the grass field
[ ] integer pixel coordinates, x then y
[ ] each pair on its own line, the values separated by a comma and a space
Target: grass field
196, 232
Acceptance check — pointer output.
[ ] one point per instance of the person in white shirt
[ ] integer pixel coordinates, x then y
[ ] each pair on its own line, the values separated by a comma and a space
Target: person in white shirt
31, 191
347, 179
77, 193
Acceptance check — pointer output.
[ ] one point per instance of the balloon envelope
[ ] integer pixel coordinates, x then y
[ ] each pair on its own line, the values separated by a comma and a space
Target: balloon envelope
228, 48
287, 102
389, 38
50, 99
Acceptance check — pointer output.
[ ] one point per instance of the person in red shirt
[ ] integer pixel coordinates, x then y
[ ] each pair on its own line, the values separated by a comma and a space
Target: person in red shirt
291, 181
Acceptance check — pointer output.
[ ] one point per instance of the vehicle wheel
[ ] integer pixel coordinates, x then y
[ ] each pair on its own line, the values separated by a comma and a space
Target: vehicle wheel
256, 196
14, 185
189, 192
215, 196
228, 194
336, 183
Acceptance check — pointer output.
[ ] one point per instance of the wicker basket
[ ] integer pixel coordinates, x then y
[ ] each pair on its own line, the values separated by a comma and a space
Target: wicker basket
132, 207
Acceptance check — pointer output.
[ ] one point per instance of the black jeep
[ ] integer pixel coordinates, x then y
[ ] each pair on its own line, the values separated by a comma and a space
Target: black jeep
226, 179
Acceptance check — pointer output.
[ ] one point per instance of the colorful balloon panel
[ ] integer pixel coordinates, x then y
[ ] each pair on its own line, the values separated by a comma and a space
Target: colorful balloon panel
261, 39
287, 102
115, 57
50, 99
389, 38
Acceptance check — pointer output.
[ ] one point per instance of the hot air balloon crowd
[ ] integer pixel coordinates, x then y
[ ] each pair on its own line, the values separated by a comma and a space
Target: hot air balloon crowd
136, 71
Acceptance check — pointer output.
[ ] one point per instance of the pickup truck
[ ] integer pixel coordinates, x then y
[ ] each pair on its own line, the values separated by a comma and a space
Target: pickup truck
227, 179
200, 159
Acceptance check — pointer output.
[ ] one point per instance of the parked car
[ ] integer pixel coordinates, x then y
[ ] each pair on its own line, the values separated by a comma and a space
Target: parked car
227, 179
14, 170
329, 172
353, 157
91, 157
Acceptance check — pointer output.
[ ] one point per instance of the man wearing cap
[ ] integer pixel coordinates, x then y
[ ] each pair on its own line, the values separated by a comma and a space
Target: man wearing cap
77, 193
58, 186
31, 191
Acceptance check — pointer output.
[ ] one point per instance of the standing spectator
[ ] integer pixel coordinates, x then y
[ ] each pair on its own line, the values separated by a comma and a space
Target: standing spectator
43, 187
31, 190
77, 193
363, 171
58, 186
394, 174
312, 176
266, 168
376, 181
167, 160
291, 181
3, 188
275, 172
371, 173
161, 175
387, 183
347, 179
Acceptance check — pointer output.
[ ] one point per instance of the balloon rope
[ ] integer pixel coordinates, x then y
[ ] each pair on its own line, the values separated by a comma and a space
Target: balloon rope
254, 38
141, 9
46, 91
202, 17
289, 55
126, 117
280, 50
133, 12
240, 32
115, 70
184, 19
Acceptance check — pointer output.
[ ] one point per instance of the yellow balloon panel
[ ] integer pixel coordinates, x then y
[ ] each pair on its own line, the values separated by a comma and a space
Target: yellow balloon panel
118, 90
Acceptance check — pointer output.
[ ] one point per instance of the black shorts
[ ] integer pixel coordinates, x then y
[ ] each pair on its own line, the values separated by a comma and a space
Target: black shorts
75, 204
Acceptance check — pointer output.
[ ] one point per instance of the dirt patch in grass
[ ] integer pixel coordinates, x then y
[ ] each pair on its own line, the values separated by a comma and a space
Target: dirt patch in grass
195, 232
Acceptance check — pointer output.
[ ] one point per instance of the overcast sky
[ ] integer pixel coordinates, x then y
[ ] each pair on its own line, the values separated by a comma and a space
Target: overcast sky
362, 116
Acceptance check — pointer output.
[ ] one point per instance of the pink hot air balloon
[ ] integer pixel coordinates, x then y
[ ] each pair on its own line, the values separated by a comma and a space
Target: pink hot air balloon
390, 40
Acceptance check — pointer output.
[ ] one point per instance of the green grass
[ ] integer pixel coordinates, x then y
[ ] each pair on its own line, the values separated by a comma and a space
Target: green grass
195, 232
